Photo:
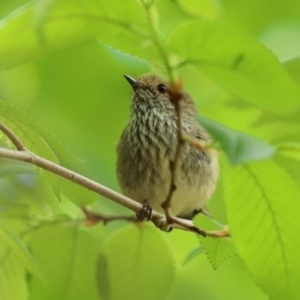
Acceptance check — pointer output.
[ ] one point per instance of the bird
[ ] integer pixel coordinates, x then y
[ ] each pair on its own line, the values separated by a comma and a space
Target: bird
149, 142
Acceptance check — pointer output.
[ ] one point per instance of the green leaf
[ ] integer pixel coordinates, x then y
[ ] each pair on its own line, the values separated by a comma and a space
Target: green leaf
41, 27
239, 147
263, 213
237, 63
67, 256
136, 263
217, 250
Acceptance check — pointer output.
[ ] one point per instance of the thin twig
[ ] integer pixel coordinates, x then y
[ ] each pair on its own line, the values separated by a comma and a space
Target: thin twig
93, 218
13, 138
176, 99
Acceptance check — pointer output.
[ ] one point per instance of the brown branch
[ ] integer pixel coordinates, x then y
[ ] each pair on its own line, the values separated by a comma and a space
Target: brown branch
30, 157
13, 138
23, 154
93, 218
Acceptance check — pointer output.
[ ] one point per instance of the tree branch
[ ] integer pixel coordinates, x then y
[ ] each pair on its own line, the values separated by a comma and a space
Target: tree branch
25, 155
13, 138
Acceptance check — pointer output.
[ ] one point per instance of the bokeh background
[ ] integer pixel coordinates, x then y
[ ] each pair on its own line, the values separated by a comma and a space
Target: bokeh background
80, 96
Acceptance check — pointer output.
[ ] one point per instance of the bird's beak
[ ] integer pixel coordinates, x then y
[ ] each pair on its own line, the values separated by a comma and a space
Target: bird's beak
133, 82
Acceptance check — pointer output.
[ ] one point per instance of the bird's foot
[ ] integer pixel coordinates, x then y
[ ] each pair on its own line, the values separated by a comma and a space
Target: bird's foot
145, 213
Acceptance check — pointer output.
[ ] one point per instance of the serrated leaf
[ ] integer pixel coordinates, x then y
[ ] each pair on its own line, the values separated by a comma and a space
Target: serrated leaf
263, 212
237, 63
217, 250
67, 256
239, 147
136, 263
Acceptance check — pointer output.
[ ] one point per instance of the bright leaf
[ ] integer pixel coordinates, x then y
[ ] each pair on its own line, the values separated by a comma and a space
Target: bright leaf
237, 63
263, 212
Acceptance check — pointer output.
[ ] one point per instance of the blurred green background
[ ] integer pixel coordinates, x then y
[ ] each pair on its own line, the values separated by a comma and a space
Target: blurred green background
80, 96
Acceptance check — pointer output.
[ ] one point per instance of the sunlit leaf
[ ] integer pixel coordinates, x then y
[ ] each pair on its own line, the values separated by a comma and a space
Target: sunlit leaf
239, 147
263, 211
237, 63
136, 263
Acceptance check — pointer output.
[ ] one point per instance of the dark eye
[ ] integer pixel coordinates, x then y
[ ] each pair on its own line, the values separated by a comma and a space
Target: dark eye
162, 88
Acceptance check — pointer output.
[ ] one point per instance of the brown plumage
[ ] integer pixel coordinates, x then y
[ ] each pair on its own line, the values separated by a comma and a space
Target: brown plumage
149, 142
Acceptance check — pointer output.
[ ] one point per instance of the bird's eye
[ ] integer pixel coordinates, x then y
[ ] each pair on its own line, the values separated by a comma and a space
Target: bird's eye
162, 88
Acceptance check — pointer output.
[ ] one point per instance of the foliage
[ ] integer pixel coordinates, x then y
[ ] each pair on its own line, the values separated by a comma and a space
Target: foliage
62, 60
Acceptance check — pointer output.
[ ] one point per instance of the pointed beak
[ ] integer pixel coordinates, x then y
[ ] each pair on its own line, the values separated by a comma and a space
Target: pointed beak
133, 82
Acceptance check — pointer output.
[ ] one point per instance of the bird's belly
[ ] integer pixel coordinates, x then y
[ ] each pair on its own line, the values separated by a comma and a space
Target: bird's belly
192, 192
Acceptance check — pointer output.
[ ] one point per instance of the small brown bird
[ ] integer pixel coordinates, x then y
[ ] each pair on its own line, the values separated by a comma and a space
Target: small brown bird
149, 142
